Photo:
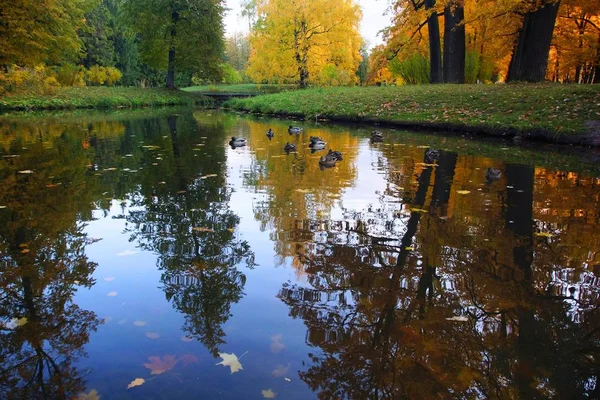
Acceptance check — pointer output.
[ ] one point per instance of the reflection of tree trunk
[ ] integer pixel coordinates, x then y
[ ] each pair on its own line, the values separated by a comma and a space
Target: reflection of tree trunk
172, 122
444, 174
519, 219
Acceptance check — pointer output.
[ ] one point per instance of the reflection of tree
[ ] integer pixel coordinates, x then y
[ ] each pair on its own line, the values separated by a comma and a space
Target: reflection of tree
386, 306
187, 221
42, 256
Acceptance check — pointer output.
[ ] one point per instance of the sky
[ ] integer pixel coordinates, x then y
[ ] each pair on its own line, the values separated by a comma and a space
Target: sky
373, 19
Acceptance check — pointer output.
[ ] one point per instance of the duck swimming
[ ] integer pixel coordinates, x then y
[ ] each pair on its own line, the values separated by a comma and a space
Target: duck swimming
315, 139
492, 174
270, 134
335, 155
294, 129
289, 147
327, 162
237, 142
431, 156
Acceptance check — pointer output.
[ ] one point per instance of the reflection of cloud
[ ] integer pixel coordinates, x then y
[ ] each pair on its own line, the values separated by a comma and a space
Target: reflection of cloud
276, 344
280, 370
127, 253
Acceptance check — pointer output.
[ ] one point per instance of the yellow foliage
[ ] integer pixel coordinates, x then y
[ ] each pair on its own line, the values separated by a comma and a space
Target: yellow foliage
306, 41
37, 79
97, 75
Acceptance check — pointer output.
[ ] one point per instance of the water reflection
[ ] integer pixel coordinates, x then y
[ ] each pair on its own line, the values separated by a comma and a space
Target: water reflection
417, 267
42, 262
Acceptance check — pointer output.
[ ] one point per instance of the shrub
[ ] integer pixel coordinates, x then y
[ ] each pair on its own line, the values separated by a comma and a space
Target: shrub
70, 75
413, 70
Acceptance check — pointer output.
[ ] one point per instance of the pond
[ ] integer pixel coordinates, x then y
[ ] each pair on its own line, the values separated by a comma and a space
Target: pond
142, 257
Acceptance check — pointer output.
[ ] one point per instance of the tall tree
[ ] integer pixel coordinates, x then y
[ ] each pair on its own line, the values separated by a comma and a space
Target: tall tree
97, 37
435, 49
306, 41
532, 47
180, 35
454, 42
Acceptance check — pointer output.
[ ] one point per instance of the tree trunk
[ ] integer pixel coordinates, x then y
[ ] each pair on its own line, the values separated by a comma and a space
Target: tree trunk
435, 49
171, 65
597, 68
530, 55
454, 42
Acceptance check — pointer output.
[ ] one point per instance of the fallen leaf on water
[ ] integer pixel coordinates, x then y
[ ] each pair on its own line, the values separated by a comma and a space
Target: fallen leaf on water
126, 253
139, 323
231, 361
2, 207
423, 147
26, 171
136, 382
188, 359
152, 335
544, 234
208, 176
419, 210
458, 319
25, 251
110, 169
111, 294
302, 190
151, 147
409, 248
231, 230
277, 156
426, 164
201, 229
92, 395
186, 339
15, 322
276, 344
280, 370
463, 191
158, 365
268, 394
287, 379
51, 185
109, 278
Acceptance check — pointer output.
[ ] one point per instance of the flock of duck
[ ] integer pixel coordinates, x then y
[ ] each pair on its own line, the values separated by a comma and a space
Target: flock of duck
332, 157
316, 143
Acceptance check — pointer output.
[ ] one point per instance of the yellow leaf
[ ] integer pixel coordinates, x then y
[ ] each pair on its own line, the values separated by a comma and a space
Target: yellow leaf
544, 234
268, 394
201, 229
136, 382
409, 248
419, 210
208, 176
92, 395
231, 361
463, 191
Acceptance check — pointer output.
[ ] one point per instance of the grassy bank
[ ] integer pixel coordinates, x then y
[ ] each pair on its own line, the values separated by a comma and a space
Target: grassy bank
556, 113
240, 88
100, 97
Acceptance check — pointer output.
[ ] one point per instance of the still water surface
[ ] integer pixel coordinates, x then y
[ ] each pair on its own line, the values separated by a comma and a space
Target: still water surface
139, 250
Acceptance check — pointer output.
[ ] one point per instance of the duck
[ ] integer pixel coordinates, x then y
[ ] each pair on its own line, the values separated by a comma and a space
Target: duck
237, 142
492, 174
334, 154
377, 133
376, 138
294, 129
289, 147
315, 139
431, 155
317, 143
270, 134
327, 162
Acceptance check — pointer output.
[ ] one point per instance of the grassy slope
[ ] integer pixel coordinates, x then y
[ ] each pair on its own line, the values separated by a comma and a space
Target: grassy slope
239, 88
561, 109
100, 97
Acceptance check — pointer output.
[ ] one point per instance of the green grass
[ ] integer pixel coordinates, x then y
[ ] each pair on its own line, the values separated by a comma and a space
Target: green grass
554, 109
100, 97
240, 88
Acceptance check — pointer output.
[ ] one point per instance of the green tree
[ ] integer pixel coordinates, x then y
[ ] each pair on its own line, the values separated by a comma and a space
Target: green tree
97, 37
182, 35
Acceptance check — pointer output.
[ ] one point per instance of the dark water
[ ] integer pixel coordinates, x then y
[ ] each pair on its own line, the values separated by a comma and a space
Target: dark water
141, 246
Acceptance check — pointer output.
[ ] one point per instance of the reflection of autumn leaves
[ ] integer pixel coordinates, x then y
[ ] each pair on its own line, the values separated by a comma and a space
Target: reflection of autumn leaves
159, 365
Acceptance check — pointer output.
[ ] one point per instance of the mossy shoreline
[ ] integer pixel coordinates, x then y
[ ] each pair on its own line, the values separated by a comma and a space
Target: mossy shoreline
560, 114
101, 98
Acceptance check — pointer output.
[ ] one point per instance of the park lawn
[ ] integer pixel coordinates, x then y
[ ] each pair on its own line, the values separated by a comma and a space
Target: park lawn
241, 88
100, 97
557, 109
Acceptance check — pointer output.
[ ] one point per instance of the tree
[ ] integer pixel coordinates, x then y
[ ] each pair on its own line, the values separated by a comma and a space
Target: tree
454, 42
363, 68
435, 50
297, 40
180, 35
532, 47
33, 32
97, 37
